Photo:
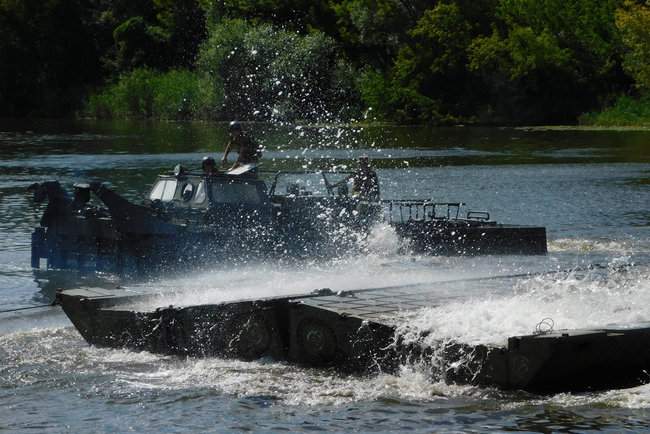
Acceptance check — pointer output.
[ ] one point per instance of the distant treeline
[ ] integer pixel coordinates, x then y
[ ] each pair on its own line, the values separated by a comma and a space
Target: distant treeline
405, 61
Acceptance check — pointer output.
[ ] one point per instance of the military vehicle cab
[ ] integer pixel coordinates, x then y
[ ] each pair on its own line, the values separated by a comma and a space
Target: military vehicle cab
193, 190
297, 212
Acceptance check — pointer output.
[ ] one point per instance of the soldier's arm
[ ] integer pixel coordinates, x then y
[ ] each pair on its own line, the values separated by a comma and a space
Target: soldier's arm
224, 160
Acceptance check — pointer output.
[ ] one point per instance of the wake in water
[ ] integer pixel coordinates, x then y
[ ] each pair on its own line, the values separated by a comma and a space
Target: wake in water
588, 246
587, 299
58, 357
471, 312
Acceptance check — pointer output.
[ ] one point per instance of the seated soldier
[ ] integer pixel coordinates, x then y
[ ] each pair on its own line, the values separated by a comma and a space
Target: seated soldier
209, 166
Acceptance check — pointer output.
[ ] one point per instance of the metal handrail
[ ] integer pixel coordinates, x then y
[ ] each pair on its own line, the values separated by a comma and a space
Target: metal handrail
478, 215
420, 209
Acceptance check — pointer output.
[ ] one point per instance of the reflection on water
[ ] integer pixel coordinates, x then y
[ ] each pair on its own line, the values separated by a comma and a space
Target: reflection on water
554, 419
460, 144
589, 188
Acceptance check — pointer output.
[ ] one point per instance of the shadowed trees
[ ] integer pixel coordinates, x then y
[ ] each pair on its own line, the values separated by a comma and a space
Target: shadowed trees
436, 61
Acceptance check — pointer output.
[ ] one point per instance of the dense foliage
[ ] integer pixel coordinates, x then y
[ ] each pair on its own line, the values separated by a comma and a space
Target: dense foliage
437, 61
146, 93
265, 72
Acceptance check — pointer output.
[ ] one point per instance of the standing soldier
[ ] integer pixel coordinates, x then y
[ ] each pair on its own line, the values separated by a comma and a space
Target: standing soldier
365, 184
249, 151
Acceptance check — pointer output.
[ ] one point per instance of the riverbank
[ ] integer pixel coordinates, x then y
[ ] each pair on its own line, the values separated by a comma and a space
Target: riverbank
146, 94
626, 112
621, 128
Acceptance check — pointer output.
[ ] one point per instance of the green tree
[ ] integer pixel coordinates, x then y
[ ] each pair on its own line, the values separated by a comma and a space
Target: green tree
300, 15
434, 63
160, 34
428, 80
549, 60
270, 73
140, 44
183, 23
372, 30
633, 21
47, 56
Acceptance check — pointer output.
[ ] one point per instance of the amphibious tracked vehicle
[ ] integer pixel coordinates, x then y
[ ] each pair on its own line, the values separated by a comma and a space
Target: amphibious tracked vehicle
193, 218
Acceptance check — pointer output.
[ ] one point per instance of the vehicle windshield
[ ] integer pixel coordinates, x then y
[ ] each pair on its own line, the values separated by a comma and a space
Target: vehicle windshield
164, 190
235, 192
305, 184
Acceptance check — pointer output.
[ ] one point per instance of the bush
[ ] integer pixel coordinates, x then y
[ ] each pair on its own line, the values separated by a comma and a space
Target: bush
144, 93
626, 111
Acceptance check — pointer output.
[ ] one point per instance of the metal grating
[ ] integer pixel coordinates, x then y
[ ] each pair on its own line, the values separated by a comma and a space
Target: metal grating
374, 304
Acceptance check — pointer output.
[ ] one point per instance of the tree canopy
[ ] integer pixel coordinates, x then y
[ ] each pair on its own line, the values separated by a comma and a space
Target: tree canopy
437, 61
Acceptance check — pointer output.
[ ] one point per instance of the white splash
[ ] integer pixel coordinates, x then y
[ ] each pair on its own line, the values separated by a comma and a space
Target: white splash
572, 301
384, 241
585, 246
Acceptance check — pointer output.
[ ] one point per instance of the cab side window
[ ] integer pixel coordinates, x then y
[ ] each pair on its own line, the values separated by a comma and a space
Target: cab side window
199, 197
188, 192
236, 193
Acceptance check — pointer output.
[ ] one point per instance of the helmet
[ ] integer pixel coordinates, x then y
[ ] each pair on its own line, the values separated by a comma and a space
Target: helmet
234, 126
208, 161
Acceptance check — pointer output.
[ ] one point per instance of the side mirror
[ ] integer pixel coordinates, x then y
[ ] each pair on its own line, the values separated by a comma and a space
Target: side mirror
179, 171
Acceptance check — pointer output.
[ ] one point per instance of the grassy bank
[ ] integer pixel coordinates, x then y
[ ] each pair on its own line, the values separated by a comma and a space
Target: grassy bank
627, 111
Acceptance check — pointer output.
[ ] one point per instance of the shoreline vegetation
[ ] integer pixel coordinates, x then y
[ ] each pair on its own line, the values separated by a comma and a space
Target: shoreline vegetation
626, 112
584, 63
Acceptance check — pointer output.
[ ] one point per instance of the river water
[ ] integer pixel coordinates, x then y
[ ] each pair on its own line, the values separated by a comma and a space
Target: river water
591, 189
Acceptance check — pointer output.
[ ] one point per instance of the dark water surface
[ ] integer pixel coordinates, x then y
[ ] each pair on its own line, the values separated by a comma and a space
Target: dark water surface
591, 189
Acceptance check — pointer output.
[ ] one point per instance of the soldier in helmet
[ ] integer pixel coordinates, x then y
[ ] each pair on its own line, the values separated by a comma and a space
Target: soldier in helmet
249, 151
364, 181
209, 166
365, 184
